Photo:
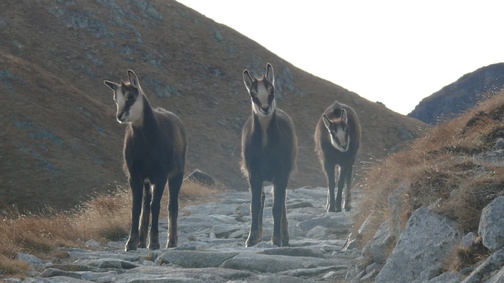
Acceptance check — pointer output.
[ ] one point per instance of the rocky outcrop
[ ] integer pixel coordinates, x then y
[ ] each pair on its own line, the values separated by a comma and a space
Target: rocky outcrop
425, 243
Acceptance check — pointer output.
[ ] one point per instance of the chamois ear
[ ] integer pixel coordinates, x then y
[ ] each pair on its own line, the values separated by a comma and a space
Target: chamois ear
270, 74
133, 79
110, 84
327, 122
247, 80
344, 117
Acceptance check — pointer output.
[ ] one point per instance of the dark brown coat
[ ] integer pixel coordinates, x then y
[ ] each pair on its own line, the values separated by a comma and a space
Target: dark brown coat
330, 156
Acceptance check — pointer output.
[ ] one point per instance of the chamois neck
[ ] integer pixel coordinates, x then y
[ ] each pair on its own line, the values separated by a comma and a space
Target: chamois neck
263, 120
262, 124
147, 119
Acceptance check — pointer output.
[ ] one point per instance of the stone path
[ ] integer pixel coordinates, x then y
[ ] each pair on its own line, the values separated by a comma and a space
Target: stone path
211, 247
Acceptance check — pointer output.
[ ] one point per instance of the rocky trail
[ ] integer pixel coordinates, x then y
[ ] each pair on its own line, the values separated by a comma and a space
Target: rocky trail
212, 248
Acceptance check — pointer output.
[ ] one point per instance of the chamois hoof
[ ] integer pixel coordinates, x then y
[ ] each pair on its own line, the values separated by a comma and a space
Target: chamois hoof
330, 209
131, 246
285, 241
252, 240
154, 246
172, 243
276, 241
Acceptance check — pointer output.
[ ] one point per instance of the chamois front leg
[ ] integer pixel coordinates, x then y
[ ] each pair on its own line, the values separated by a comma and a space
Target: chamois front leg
157, 194
173, 207
136, 190
280, 231
341, 184
331, 184
348, 192
145, 216
256, 207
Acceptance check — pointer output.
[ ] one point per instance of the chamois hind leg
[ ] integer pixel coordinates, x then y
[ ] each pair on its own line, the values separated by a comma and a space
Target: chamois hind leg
174, 183
136, 185
256, 207
329, 168
145, 215
279, 226
348, 192
157, 194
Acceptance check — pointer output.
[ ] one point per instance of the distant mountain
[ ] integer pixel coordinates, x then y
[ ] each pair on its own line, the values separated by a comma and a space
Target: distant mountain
60, 141
461, 95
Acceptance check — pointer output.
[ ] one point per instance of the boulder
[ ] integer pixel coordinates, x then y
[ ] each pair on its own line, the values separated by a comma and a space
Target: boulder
201, 177
491, 264
427, 239
382, 243
491, 226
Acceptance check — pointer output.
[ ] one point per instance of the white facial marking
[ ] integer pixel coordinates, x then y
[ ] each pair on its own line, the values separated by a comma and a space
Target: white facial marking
338, 136
119, 100
136, 111
131, 115
264, 108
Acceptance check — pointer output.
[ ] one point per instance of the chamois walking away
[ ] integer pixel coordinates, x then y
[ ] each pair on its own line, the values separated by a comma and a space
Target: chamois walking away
155, 146
337, 139
269, 149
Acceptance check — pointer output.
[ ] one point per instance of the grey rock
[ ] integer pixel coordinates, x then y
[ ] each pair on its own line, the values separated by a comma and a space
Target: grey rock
112, 263
33, 261
201, 177
468, 240
195, 259
317, 232
498, 277
492, 263
426, 240
447, 277
396, 203
294, 251
277, 263
382, 243
491, 226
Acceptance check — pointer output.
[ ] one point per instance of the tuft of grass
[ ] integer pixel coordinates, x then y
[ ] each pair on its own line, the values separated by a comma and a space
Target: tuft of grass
441, 168
103, 218
461, 257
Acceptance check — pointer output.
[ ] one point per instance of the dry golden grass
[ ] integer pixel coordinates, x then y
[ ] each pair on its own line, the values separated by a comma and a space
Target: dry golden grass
440, 166
103, 218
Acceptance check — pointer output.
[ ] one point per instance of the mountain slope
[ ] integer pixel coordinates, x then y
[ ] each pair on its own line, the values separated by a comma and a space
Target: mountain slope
60, 140
461, 95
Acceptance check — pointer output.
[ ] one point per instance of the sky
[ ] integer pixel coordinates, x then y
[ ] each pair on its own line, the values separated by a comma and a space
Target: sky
394, 52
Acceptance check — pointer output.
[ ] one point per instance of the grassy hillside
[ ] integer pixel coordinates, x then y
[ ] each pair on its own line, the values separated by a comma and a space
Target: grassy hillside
457, 169
60, 140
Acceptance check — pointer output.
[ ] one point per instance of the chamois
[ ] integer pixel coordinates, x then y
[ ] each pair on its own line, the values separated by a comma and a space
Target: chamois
337, 139
269, 150
154, 152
